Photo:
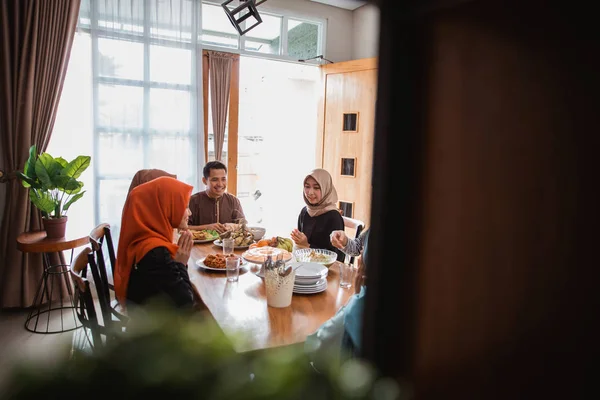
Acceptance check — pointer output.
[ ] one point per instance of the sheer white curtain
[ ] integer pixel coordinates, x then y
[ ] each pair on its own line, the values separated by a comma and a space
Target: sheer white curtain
131, 98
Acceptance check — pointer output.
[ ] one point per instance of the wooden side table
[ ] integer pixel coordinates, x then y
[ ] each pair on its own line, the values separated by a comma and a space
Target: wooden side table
52, 278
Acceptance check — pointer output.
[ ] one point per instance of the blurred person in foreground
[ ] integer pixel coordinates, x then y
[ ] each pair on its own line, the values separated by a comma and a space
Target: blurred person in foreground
340, 337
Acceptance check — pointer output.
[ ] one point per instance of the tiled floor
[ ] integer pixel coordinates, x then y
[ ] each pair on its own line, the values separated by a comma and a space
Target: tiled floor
19, 345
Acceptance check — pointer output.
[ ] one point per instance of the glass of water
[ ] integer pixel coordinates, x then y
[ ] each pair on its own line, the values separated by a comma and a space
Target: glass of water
232, 265
228, 246
346, 275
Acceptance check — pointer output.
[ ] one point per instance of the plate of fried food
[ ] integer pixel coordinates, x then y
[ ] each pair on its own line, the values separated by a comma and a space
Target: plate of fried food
215, 262
204, 236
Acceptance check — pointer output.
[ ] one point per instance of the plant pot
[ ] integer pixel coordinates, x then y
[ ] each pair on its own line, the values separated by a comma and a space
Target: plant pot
55, 227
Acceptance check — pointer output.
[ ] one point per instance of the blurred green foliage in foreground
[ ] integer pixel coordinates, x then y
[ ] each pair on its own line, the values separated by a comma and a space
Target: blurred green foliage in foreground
178, 356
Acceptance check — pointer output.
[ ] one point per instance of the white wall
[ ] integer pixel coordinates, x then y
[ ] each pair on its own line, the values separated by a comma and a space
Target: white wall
365, 33
338, 46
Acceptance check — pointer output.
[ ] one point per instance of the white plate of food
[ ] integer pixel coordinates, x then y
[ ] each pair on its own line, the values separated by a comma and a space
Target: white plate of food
219, 243
258, 255
215, 262
240, 233
204, 235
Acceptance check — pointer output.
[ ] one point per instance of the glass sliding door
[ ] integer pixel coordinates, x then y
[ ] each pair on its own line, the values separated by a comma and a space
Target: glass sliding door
276, 139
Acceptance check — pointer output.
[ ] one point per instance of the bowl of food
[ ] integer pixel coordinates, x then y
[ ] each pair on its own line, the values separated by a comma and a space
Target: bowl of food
258, 232
321, 256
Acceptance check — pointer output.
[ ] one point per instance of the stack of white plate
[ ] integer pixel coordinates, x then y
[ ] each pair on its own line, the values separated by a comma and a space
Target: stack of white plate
310, 278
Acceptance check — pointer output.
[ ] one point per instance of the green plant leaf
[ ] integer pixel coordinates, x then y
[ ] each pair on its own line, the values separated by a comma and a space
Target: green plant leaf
47, 168
76, 190
57, 211
29, 169
63, 163
67, 184
25, 180
77, 166
42, 201
73, 200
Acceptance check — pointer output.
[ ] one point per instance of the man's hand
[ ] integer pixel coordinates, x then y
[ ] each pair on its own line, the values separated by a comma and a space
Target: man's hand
217, 227
339, 239
185, 244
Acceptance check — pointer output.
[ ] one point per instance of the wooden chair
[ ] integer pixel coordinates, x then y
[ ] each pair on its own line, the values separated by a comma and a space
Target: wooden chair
101, 330
355, 224
100, 237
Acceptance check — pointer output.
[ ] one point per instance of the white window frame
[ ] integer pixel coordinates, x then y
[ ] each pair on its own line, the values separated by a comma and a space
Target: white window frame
285, 16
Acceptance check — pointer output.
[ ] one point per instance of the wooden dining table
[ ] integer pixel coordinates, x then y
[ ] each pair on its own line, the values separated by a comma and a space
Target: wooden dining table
241, 311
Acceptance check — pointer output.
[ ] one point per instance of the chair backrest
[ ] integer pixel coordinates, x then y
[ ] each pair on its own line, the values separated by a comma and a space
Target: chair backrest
100, 238
355, 224
85, 307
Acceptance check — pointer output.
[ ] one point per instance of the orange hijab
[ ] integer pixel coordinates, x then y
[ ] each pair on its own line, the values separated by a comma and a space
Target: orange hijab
151, 212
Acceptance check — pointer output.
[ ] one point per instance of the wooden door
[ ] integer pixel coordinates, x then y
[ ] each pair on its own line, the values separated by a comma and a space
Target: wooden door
347, 147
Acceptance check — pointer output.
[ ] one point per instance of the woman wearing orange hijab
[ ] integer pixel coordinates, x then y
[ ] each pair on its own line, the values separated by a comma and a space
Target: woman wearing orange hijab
149, 264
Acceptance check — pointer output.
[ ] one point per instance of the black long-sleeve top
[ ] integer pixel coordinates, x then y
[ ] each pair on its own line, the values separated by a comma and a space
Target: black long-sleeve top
318, 230
157, 274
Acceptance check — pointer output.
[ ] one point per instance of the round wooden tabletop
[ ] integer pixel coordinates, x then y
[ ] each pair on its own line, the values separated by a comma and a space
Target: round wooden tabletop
37, 242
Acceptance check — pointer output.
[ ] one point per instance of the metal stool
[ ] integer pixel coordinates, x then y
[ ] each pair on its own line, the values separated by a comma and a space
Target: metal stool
54, 278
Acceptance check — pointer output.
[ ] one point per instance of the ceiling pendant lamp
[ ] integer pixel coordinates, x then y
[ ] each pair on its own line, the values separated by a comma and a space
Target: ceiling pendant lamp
245, 11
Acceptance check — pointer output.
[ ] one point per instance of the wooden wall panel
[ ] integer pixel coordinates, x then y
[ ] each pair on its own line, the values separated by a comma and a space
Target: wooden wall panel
349, 86
351, 92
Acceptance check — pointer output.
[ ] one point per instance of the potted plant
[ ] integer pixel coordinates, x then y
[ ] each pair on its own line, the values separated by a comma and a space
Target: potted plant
53, 187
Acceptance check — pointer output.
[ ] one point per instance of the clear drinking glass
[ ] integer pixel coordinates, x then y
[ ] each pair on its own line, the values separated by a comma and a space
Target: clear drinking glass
228, 246
346, 275
232, 265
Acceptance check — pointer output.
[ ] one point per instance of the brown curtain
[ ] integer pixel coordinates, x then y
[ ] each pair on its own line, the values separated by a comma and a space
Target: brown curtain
35, 43
219, 70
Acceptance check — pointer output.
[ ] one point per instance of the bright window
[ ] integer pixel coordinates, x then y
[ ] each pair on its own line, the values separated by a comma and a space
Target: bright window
265, 37
280, 36
277, 138
303, 39
72, 134
216, 28
130, 96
